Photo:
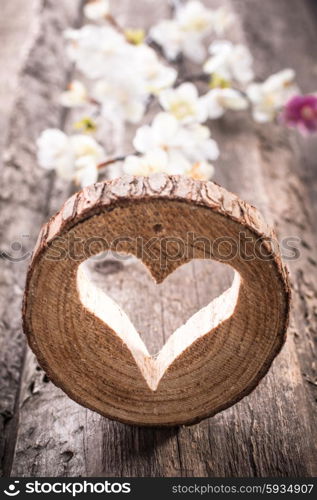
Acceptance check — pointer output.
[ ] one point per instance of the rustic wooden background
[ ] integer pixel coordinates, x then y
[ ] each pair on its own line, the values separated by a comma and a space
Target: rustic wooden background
269, 433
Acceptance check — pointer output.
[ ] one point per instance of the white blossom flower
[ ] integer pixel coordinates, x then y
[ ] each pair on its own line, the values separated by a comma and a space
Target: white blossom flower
152, 162
74, 158
194, 17
223, 18
75, 95
163, 133
123, 95
169, 36
184, 103
157, 76
197, 144
167, 133
185, 33
85, 171
270, 96
97, 50
53, 149
126, 74
96, 9
230, 62
157, 160
201, 170
217, 101
87, 155
174, 41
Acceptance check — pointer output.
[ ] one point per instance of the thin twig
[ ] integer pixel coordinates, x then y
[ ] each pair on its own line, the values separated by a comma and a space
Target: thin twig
91, 100
199, 77
150, 100
111, 20
115, 160
161, 54
155, 46
175, 4
205, 78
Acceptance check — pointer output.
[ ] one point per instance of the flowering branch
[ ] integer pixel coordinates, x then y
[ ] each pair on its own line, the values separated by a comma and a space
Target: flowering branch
127, 73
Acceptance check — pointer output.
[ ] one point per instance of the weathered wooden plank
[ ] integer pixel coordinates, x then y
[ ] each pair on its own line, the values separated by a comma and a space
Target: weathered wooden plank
289, 160
267, 434
18, 25
53, 451
25, 190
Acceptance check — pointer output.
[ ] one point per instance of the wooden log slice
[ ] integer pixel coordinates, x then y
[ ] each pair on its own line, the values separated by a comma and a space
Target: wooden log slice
89, 347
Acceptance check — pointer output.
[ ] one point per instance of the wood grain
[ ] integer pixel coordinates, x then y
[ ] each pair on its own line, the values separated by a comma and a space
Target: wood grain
270, 433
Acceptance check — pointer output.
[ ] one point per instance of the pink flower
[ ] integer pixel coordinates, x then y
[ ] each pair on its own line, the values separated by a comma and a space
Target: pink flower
301, 112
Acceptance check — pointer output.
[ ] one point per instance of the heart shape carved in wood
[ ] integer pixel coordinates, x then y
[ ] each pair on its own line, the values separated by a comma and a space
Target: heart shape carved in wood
87, 344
